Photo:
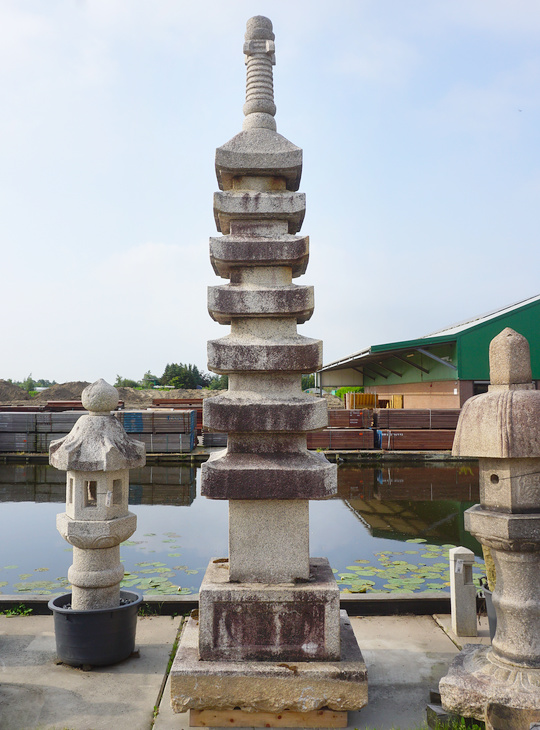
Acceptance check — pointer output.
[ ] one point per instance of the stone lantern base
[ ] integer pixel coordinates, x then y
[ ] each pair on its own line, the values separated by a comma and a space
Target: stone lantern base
270, 686
477, 681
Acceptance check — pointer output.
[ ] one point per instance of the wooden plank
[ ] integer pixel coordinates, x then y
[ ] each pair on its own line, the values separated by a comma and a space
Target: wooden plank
287, 718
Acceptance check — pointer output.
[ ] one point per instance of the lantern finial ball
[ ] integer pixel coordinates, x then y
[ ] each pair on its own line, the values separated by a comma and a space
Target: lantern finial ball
100, 397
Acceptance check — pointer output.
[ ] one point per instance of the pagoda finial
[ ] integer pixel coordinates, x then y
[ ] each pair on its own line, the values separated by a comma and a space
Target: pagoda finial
259, 48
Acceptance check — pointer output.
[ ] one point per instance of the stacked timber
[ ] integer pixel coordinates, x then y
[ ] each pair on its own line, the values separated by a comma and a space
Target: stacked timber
415, 440
195, 404
360, 400
162, 431
415, 429
214, 439
341, 439
414, 418
359, 418
32, 432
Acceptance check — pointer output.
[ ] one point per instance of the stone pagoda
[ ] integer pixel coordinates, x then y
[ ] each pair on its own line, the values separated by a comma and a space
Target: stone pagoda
500, 684
268, 603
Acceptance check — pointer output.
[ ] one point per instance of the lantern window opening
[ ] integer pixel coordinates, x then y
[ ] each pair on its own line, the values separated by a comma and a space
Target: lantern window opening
70, 491
90, 493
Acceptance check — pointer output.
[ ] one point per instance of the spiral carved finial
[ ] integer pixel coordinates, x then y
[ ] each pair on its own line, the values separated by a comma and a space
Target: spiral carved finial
259, 48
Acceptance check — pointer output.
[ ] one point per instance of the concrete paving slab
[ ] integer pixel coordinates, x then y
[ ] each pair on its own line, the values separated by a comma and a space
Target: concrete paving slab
405, 658
405, 655
445, 622
35, 693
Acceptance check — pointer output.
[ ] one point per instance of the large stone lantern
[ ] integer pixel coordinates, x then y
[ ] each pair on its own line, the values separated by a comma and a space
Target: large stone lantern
502, 428
97, 456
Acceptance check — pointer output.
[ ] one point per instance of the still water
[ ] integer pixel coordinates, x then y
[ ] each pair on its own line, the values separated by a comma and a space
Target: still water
389, 528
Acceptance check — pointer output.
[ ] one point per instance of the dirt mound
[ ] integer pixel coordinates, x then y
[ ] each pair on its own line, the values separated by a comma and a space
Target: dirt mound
193, 393
10, 392
332, 401
62, 391
136, 398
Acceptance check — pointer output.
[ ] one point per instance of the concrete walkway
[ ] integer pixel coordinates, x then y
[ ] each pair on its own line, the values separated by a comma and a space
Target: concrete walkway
405, 657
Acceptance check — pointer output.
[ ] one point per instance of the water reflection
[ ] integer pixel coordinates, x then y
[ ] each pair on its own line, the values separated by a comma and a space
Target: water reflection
167, 485
403, 501
377, 509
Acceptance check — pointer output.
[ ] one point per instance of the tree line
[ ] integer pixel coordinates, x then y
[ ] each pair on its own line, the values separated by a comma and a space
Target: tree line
189, 377
175, 375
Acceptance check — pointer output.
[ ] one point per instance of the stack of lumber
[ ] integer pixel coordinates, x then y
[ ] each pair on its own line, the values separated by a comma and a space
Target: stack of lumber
214, 439
17, 422
360, 400
341, 439
415, 439
195, 404
341, 418
167, 443
57, 423
69, 405
27, 432
162, 431
414, 418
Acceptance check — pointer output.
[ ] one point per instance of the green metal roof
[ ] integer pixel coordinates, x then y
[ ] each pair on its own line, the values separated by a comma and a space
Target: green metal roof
466, 356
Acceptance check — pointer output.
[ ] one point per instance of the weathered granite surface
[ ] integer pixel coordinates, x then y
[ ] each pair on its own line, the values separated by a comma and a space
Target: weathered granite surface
97, 455
502, 428
295, 621
268, 604
268, 686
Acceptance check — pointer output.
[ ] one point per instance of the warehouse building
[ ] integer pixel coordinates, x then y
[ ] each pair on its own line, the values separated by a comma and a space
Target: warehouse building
440, 370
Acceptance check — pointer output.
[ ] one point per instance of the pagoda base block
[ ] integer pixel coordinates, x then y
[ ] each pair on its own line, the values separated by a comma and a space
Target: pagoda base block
301, 687
290, 621
479, 685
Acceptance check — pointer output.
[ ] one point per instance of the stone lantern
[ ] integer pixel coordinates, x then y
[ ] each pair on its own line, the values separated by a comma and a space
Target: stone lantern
502, 428
97, 456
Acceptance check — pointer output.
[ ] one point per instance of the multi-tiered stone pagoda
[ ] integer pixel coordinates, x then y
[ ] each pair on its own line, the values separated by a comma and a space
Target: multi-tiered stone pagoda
269, 603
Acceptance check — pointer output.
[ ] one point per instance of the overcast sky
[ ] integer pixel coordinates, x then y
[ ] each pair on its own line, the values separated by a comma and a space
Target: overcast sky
420, 126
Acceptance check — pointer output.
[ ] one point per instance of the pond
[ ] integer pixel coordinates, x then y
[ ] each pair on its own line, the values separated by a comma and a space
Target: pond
389, 528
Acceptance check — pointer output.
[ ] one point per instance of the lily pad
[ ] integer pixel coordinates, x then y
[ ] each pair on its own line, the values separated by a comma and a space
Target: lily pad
416, 539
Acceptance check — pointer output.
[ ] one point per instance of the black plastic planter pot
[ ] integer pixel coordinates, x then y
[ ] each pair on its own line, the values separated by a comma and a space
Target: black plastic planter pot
99, 637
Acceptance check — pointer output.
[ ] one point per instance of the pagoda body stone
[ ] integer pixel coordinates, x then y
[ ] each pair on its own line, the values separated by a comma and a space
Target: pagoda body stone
502, 428
97, 455
268, 601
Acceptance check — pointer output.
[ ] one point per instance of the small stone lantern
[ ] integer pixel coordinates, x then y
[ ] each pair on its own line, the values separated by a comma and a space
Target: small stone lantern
502, 428
97, 456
